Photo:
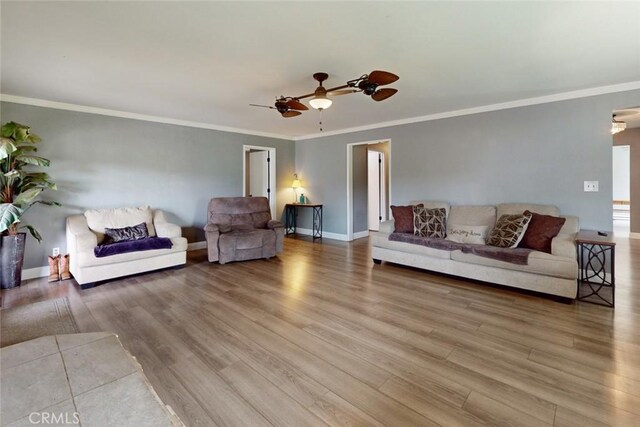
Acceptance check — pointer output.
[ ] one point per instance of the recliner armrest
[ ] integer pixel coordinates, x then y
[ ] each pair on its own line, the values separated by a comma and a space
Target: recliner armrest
212, 228
217, 228
272, 224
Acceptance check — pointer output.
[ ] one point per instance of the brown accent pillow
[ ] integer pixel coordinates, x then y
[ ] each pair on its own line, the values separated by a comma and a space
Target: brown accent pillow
542, 229
403, 217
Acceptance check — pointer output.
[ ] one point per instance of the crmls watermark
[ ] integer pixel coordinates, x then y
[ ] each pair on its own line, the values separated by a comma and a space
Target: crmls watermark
58, 418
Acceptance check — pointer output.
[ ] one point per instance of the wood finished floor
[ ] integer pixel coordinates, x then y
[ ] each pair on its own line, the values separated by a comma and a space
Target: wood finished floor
320, 335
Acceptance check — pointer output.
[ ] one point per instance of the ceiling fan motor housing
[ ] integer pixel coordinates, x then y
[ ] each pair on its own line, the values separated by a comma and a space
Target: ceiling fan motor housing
367, 87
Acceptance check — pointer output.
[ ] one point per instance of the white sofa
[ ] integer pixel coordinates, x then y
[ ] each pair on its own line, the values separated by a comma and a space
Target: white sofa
85, 232
555, 274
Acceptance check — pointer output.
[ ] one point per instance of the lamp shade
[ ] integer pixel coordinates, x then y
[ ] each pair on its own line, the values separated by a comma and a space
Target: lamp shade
320, 102
296, 183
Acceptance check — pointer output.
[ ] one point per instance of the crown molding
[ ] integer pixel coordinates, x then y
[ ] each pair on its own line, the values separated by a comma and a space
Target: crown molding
564, 96
135, 116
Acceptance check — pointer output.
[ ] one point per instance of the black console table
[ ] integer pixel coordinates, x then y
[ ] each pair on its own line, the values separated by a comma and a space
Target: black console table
596, 264
291, 215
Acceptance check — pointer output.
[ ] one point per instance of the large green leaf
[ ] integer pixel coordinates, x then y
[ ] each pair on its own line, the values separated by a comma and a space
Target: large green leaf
33, 232
9, 214
8, 129
7, 147
27, 197
33, 160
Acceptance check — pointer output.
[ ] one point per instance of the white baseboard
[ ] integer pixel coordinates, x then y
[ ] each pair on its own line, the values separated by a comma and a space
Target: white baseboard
360, 234
634, 235
37, 272
325, 234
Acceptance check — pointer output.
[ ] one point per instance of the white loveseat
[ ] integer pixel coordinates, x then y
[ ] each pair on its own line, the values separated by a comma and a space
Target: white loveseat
555, 273
85, 232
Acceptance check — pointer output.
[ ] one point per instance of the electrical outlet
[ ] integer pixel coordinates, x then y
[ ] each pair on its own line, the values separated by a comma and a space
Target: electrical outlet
56, 251
591, 186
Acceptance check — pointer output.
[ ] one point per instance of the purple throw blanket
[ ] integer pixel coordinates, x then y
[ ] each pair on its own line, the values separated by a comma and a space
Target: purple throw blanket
148, 244
518, 256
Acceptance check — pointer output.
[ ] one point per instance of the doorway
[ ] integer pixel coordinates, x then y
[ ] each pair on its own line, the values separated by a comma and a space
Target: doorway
368, 187
622, 188
259, 174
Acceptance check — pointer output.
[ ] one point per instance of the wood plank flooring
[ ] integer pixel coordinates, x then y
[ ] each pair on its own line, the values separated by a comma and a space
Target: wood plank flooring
321, 336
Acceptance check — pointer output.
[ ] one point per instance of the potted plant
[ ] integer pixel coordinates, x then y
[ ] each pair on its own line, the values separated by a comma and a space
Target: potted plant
20, 188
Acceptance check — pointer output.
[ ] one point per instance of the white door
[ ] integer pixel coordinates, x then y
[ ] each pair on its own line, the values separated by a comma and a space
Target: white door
258, 174
374, 194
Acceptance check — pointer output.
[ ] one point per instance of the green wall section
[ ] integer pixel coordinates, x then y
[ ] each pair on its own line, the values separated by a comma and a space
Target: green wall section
101, 162
536, 154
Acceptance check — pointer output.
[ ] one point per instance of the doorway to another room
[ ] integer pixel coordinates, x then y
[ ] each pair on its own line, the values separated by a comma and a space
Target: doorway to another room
259, 174
625, 128
368, 187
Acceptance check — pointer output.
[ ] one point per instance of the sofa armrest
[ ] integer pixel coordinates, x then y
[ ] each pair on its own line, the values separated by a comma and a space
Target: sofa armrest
79, 237
564, 245
272, 224
164, 228
387, 226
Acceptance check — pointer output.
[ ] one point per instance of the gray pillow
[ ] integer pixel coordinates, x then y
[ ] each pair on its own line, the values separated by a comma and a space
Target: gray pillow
126, 234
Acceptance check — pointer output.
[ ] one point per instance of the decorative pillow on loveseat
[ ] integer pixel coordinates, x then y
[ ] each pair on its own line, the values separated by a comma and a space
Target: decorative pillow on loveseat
509, 230
475, 234
429, 222
541, 231
125, 234
403, 218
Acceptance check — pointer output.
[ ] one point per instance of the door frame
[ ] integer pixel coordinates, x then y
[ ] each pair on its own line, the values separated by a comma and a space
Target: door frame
272, 173
350, 181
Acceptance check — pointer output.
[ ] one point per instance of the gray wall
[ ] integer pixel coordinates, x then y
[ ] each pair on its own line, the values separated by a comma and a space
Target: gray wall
537, 154
631, 137
100, 161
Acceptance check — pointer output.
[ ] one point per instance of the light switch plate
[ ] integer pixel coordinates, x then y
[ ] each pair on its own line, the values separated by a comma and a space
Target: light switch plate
591, 186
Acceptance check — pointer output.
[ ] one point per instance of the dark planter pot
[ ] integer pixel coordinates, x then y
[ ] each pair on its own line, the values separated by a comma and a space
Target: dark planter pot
11, 257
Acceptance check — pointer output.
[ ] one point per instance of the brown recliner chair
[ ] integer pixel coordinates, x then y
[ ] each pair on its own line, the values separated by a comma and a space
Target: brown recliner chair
241, 228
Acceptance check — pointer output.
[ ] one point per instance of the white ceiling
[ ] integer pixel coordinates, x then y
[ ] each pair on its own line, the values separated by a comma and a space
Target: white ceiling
206, 61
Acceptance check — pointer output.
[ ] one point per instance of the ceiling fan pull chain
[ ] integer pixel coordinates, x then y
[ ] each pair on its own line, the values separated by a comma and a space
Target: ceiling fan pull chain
320, 120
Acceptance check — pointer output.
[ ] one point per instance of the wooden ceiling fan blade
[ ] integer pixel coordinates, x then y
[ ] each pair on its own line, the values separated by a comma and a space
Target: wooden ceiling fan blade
264, 106
381, 78
294, 104
290, 113
342, 92
382, 94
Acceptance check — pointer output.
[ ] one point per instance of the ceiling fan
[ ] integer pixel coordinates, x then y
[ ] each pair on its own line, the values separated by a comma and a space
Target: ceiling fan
290, 106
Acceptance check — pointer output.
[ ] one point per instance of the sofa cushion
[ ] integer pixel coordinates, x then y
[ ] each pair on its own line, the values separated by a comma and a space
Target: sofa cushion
126, 246
403, 218
472, 215
541, 230
429, 222
476, 234
88, 258
100, 219
518, 208
509, 230
539, 263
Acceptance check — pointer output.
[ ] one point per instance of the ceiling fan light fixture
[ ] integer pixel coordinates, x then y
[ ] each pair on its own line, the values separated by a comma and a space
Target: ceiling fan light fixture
320, 102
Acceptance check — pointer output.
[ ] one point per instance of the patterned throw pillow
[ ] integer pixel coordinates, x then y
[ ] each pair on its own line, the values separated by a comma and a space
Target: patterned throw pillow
115, 235
430, 222
509, 230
